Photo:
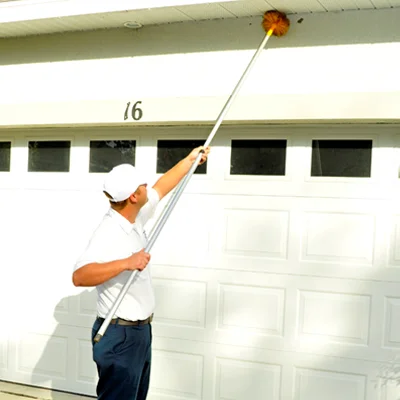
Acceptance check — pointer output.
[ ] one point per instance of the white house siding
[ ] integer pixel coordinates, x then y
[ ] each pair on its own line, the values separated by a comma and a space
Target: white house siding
268, 287
329, 67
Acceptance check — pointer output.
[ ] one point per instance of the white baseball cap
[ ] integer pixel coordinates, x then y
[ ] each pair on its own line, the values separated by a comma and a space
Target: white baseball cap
122, 181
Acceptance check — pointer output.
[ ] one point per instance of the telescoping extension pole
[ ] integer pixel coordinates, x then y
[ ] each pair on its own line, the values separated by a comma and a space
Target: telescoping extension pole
274, 23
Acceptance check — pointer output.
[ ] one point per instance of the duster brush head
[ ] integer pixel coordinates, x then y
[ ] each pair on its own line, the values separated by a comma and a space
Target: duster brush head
275, 23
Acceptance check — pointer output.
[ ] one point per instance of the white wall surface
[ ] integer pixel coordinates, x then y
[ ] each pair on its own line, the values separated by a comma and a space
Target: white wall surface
336, 66
287, 288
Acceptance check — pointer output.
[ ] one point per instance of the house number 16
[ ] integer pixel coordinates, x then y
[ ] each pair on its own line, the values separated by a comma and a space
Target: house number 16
136, 111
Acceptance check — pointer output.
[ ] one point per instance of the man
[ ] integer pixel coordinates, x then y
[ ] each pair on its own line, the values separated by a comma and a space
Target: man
123, 355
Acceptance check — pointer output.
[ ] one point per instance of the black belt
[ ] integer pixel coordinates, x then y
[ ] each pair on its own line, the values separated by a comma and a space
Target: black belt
125, 322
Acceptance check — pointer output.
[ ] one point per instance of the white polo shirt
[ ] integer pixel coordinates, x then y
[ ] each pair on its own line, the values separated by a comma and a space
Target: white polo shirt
114, 239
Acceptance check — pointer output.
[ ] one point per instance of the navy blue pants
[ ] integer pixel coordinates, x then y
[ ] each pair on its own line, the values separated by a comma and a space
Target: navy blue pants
123, 360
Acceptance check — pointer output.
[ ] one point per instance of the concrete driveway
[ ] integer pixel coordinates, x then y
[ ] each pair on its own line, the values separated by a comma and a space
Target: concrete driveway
12, 391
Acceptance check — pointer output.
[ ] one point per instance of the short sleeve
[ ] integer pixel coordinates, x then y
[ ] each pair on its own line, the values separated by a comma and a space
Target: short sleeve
148, 210
95, 251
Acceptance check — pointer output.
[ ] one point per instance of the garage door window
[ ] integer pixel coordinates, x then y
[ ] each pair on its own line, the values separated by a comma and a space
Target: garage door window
170, 152
5, 156
341, 158
106, 154
49, 156
258, 157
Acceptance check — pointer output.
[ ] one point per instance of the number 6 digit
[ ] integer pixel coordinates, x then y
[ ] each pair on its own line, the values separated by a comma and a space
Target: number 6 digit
137, 112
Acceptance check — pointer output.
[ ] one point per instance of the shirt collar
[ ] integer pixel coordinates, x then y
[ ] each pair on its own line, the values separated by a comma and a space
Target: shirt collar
122, 221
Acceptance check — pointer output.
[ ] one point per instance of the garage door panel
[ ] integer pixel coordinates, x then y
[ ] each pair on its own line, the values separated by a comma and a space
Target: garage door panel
239, 312
185, 238
54, 358
10, 254
395, 242
86, 372
390, 391
251, 232
72, 211
181, 302
63, 306
81, 367
78, 310
325, 237
37, 352
291, 313
87, 307
49, 309
392, 322
267, 287
169, 368
239, 380
336, 378
307, 376
259, 309
339, 237
50, 252
335, 317
42, 358
261, 374
180, 369
250, 315
246, 369
45, 219
310, 383
183, 305
347, 235
4, 350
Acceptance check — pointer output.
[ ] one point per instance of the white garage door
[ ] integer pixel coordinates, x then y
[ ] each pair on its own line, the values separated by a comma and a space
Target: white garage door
277, 276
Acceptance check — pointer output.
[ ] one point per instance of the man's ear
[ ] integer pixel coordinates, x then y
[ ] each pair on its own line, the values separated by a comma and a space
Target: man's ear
133, 198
